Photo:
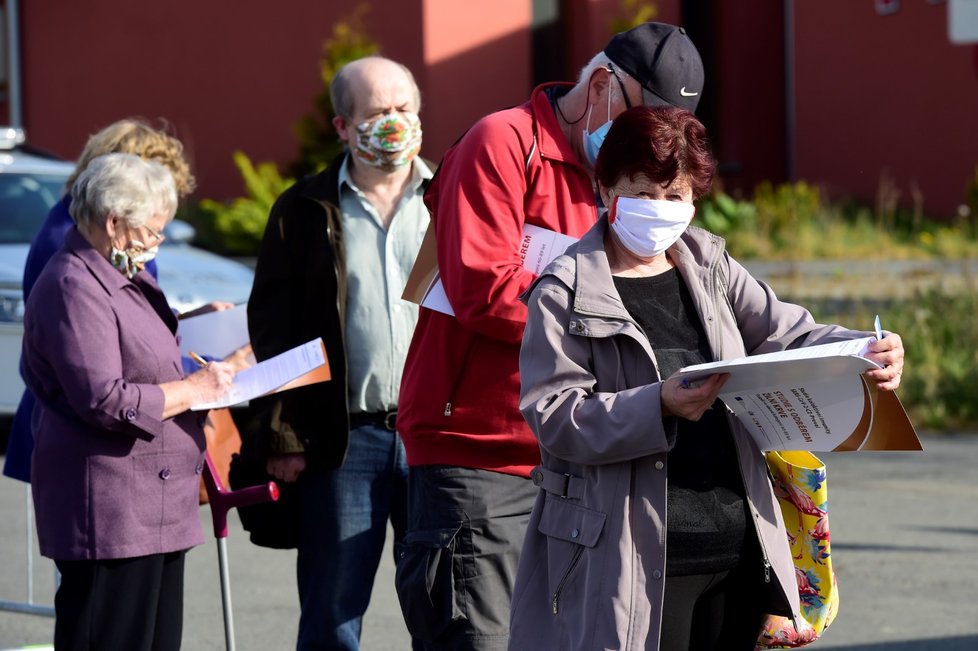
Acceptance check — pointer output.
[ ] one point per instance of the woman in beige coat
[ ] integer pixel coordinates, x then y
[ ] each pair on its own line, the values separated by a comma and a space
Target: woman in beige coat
622, 443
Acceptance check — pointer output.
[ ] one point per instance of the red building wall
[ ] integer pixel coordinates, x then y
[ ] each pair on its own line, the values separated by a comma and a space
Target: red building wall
884, 94
745, 98
872, 93
238, 74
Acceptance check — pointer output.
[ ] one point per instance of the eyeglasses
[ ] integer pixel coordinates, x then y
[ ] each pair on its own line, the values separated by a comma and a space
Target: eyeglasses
157, 236
621, 85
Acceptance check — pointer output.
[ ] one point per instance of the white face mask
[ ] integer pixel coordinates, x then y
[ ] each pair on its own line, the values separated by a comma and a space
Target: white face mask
647, 227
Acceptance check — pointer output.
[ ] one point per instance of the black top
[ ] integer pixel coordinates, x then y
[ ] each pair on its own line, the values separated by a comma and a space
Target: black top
705, 502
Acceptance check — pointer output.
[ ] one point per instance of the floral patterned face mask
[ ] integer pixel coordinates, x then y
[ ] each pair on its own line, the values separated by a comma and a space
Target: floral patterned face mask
390, 141
132, 260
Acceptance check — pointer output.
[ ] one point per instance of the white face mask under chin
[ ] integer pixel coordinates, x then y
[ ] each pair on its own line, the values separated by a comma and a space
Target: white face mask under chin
647, 227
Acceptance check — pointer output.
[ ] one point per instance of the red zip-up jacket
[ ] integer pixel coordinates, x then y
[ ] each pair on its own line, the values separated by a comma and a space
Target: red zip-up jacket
460, 388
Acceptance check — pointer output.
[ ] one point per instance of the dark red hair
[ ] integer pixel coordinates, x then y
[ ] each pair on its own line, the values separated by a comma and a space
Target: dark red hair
660, 142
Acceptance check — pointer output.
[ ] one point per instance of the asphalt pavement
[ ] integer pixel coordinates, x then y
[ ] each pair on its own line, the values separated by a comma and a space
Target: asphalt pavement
904, 542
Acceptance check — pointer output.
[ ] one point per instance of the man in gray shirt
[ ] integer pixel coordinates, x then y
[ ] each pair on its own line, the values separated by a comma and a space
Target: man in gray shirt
334, 259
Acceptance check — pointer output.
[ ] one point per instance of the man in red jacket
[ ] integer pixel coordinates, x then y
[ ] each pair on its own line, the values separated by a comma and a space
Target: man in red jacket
469, 450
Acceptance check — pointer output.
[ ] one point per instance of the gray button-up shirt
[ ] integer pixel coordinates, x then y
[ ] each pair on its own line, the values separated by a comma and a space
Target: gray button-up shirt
379, 323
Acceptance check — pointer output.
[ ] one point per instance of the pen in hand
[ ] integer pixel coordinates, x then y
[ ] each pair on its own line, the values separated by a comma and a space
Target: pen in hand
197, 358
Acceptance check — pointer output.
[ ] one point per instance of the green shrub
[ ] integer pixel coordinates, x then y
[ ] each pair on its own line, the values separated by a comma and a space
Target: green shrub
239, 224
236, 227
632, 13
791, 221
941, 343
318, 142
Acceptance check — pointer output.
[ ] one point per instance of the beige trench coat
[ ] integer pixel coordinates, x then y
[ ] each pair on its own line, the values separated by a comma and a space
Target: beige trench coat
591, 571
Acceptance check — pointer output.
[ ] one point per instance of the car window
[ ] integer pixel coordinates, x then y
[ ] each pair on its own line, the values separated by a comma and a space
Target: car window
25, 200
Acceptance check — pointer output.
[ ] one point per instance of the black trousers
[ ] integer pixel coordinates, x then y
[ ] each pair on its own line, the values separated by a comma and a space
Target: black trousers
713, 612
134, 604
457, 567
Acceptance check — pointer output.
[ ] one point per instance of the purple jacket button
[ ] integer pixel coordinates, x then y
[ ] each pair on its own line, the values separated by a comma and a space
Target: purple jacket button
659, 465
165, 474
656, 574
199, 469
131, 414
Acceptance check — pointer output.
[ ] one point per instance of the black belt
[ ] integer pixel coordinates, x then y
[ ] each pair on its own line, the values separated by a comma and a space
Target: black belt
383, 419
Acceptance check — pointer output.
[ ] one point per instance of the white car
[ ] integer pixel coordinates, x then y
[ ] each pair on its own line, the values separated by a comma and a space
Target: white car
30, 183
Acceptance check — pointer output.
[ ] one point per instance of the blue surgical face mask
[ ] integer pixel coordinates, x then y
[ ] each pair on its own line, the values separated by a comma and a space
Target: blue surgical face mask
593, 140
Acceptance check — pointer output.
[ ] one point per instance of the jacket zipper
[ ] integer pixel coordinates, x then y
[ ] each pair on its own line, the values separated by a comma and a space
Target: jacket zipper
458, 378
563, 581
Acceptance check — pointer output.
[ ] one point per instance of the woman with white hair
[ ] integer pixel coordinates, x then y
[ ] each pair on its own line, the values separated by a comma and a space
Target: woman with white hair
118, 454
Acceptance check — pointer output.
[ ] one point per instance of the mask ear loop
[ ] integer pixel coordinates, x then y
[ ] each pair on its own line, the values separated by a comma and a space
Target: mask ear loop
587, 99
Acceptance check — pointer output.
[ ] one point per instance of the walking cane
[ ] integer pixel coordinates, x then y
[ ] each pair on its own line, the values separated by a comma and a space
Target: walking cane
221, 501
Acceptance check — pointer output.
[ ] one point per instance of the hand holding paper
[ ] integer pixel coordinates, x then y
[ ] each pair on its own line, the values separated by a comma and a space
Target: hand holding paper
887, 352
297, 367
818, 398
212, 381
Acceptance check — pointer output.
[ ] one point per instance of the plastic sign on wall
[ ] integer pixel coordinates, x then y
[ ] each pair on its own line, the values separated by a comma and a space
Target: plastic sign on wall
887, 7
962, 21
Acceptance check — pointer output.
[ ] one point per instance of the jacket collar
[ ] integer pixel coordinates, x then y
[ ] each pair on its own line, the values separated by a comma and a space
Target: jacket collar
108, 276
113, 281
695, 254
594, 291
325, 186
550, 137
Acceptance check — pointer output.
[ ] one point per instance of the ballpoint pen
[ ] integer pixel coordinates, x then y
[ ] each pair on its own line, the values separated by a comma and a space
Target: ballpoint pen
197, 358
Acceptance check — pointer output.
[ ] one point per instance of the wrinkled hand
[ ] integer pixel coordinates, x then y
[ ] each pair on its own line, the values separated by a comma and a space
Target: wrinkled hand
888, 352
692, 402
213, 306
212, 381
241, 359
286, 467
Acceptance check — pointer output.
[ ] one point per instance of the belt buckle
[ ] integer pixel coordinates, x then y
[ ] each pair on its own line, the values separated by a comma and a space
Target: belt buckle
390, 421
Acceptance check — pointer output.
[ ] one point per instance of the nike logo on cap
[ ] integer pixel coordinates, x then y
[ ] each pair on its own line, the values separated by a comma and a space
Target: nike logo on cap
682, 91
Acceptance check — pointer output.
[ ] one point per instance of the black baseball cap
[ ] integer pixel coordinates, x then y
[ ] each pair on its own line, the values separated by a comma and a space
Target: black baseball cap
663, 60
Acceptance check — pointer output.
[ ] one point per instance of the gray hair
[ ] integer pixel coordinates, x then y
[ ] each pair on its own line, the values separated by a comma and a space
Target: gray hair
123, 185
342, 97
600, 61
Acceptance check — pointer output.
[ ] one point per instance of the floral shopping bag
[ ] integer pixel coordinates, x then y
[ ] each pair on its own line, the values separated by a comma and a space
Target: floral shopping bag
800, 486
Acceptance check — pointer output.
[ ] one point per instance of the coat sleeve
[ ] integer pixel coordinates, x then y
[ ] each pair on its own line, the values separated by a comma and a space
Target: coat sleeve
477, 206
88, 371
271, 315
768, 324
569, 417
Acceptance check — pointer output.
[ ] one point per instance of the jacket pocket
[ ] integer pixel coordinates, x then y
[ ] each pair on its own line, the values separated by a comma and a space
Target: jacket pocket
165, 488
570, 529
425, 580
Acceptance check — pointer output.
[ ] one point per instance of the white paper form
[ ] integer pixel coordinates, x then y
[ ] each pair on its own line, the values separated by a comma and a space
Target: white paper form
215, 334
538, 248
773, 363
272, 374
814, 398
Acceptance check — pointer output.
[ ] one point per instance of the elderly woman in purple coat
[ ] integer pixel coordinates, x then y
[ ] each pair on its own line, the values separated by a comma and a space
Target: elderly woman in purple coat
118, 453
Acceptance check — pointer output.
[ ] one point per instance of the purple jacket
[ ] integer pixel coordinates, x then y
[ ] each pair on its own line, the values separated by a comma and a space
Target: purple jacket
110, 478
